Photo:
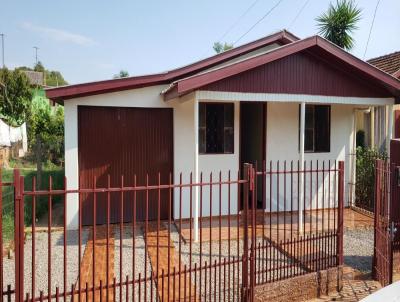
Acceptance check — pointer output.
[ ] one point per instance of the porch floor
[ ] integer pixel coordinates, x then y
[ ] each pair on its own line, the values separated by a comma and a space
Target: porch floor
275, 226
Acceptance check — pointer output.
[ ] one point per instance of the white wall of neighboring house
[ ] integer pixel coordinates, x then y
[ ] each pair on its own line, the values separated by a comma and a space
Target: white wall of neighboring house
282, 144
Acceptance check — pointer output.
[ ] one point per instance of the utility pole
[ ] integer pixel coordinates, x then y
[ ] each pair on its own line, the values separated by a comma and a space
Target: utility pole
2, 49
36, 49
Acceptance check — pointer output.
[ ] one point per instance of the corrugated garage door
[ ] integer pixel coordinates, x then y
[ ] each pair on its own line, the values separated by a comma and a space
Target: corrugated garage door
115, 142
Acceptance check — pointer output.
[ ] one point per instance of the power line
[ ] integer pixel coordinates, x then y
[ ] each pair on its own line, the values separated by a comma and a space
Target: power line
238, 20
298, 14
370, 29
258, 21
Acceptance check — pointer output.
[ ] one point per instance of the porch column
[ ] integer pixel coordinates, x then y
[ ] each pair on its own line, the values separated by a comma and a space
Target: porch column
196, 171
301, 159
389, 131
372, 117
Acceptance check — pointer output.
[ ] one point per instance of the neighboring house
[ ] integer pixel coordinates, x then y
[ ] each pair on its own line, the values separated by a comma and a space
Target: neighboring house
36, 78
248, 104
390, 64
37, 82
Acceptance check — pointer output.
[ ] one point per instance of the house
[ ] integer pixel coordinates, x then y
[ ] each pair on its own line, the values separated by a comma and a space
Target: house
277, 98
390, 64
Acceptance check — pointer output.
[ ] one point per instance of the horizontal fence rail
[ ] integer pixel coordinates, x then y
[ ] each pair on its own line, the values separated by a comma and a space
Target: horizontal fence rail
223, 235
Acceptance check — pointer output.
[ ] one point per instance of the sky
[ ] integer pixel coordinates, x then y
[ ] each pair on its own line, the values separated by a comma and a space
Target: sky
92, 40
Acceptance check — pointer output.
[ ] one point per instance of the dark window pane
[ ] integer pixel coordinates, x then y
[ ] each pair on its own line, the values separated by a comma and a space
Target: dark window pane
216, 134
228, 118
202, 115
309, 140
228, 140
309, 122
202, 140
215, 128
317, 135
322, 128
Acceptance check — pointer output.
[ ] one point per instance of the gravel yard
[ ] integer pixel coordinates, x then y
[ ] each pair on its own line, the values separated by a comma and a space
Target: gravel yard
127, 260
224, 279
41, 262
222, 282
359, 249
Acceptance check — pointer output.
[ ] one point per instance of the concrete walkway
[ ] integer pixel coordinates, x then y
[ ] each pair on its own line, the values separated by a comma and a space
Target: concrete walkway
100, 273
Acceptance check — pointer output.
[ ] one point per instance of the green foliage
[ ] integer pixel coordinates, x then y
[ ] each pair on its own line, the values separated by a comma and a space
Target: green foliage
121, 74
54, 78
46, 128
15, 97
337, 24
365, 176
57, 175
219, 47
39, 67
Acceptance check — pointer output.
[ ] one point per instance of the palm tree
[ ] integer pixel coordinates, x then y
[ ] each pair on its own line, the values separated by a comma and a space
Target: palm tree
219, 47
338, 23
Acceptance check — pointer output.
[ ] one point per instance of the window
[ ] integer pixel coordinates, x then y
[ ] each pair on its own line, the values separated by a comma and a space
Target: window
216, 128
317, 135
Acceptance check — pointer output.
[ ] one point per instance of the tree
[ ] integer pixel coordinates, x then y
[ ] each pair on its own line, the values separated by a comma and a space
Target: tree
46, 133
39, 67
219, 47
121, 74
339, 22
15, 97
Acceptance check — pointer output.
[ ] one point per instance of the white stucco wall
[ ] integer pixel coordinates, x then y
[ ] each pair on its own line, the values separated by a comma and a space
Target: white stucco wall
282, 144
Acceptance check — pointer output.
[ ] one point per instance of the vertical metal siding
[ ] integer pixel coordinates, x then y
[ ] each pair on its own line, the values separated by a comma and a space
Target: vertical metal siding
300, 74
124, 142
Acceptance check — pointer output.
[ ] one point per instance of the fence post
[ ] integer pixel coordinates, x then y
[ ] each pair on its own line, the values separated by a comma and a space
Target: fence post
339, 245
18, 237
248, 187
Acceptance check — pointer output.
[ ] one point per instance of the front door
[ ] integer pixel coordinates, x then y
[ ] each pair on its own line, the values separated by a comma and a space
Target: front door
252, 139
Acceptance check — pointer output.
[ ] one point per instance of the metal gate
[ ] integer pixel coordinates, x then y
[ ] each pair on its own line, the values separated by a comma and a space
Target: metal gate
383, 259
387, 216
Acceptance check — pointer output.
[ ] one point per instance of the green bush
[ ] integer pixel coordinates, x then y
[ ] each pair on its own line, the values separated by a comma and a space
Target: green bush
41, 202
365, 176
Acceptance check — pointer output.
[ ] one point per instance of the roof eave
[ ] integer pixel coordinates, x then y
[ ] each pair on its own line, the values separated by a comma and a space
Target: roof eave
188, 85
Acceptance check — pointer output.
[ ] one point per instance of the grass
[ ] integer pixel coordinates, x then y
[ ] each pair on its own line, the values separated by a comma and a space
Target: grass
57, 175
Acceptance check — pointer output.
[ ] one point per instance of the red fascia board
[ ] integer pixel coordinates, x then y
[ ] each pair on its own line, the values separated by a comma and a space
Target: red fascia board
359, 64
72, 91
186, 85
79, 90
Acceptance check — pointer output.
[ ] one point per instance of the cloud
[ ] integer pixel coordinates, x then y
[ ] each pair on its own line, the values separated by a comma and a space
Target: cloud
58, 34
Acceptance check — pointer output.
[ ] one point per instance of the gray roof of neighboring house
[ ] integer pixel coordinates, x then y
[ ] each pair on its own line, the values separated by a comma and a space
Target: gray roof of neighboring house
35, 77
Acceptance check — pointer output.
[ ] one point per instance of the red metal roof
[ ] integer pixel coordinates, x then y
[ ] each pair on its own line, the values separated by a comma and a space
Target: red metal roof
314, 45
60, 94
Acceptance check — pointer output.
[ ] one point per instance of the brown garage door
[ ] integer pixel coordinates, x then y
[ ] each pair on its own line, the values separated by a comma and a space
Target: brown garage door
115, 142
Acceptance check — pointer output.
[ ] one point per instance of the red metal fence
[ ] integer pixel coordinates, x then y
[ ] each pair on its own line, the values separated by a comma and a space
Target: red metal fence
273, 223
